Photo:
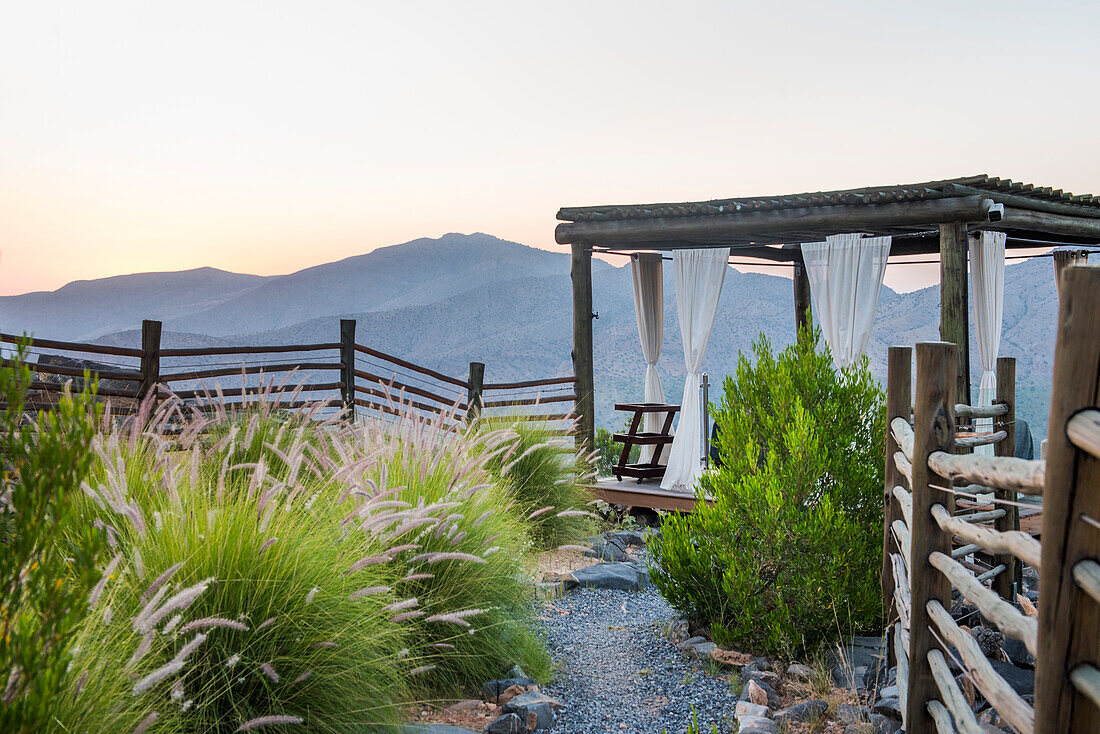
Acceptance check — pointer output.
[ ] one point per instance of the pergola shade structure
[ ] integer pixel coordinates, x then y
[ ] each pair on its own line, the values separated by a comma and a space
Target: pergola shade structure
924, 218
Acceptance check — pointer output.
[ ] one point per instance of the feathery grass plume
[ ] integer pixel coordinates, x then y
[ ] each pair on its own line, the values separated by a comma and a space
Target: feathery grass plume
227, 584
274, 720
213, 622
545, 472
269, 671
145, 723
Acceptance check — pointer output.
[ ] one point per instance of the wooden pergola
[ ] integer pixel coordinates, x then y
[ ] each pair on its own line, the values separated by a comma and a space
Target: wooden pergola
923, 219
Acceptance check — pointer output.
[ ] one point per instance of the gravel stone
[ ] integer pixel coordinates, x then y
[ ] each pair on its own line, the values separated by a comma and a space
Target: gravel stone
618, 673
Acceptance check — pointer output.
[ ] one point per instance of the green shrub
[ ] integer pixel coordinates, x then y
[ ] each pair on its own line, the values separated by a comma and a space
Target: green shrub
47, 569
545, 478
283, 631
608, 451
788, 555
287, 517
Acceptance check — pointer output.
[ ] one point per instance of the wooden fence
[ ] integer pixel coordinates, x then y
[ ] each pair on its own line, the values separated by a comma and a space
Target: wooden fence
336, 375
932, 525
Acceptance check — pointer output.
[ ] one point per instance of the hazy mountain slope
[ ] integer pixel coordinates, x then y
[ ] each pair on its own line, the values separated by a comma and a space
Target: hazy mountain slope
512, 310
84, 309
411, 274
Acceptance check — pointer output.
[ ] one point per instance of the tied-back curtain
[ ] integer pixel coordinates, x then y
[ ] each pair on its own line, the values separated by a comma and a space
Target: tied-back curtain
1064, 259
987, 289
649, 302
699, 278
845, 273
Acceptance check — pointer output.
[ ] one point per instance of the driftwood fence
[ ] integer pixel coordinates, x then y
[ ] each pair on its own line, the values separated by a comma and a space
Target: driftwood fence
931, 526
336, 375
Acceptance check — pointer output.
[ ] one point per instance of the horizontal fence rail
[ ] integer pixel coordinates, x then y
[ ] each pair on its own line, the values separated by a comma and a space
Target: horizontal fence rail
941, 538
332, 376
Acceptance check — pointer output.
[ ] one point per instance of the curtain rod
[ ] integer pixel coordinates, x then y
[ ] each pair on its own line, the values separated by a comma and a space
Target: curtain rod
766, 264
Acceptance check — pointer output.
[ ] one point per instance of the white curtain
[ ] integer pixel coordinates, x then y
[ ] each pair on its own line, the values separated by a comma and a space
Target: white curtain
987, 295
845, 273
649, 312
699, 277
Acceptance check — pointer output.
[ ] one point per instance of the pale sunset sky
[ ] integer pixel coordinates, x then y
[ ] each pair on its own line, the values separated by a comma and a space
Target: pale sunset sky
264, 137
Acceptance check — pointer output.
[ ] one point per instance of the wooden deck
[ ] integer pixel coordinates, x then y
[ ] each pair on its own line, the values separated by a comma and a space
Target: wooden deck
641, 493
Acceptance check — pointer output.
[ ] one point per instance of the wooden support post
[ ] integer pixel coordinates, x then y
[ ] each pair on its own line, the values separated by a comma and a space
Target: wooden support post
802, 317
1007, 583
954, 308
150, 358
581, 273
933, 430
899, 398
476, 385
347, 366
1068, 631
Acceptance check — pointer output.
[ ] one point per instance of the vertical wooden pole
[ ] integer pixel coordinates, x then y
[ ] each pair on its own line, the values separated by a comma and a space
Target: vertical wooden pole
802, 317
954, 309
150, 358
347, 366
1068, 631
1008, 582
581, 272
475, 386
933, 430
899, 400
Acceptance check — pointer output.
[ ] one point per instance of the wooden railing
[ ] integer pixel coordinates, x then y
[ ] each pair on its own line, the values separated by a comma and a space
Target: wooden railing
927, 541
337, 375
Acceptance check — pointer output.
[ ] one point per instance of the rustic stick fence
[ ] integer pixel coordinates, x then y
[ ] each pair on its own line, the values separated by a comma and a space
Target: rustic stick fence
931, 529
337, 375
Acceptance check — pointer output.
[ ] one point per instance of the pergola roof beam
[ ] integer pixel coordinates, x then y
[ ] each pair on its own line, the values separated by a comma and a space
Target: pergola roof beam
812, 221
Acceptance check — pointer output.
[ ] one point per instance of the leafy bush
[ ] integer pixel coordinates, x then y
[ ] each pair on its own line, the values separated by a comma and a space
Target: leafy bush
608, 451
545, 478
45, 582
788, 555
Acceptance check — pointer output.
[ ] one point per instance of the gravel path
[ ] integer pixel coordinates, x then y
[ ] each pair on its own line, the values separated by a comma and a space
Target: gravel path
617, 672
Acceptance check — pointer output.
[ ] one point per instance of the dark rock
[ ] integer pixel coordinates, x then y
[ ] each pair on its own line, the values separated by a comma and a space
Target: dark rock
848, 713
890, 707
508, 724
1018, 653
607, 549
849, 663
804, 712
701, 650
492, 690
690, 642
618, 576
884, 724
534, 706
1021, 679
629, 537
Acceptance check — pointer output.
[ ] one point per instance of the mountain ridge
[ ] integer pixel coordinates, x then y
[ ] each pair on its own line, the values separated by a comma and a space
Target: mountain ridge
514, 314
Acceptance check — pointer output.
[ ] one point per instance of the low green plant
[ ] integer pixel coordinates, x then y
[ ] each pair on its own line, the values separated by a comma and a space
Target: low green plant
48, 559
608, 451
788, 551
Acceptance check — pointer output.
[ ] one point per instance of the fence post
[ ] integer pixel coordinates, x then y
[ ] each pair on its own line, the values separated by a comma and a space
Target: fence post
347, 366
933, 430
899, 401
1068, 632
1008, 581
150, 358
476, 384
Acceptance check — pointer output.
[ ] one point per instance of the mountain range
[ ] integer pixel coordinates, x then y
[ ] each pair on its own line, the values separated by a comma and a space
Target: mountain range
446, 302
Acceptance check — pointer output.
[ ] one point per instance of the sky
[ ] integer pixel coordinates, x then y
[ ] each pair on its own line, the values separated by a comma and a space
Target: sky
264, 137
